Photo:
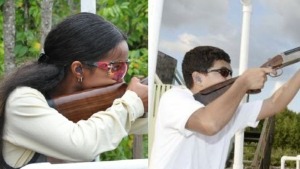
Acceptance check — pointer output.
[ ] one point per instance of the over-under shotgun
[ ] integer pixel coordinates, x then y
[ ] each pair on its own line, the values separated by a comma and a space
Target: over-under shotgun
279, 61
83, 104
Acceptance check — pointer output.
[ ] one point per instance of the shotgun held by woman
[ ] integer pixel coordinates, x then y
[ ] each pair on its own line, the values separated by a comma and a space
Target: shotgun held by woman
82, 105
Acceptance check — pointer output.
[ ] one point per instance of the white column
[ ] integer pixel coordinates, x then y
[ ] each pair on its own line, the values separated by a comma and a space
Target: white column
244, 51
88, 6
155, 11
155, 14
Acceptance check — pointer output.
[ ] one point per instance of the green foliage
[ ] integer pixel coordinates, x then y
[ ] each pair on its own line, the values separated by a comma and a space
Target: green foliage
287, 136
62, 9
1, 2
1, 44
122, 152
138, 63
278, 152
129, 16
27, 30
287, 133
145, 146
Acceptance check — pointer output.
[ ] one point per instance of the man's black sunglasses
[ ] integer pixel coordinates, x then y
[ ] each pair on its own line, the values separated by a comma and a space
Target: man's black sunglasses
223, 71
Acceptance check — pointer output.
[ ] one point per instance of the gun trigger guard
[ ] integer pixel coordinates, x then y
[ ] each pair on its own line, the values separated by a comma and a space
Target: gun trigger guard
277, 74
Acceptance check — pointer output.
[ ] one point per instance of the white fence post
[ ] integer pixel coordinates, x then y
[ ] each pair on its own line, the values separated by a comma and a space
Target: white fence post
88, 6
290, 158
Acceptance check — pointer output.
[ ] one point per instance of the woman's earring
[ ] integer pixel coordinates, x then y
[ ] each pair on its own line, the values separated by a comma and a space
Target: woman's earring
80, 80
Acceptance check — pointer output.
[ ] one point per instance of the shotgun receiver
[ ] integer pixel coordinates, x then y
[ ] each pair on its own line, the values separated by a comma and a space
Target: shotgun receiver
82, 105
279, 61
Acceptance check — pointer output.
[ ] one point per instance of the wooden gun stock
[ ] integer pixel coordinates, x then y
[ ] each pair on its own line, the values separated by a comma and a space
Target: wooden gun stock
82, 105
211, 93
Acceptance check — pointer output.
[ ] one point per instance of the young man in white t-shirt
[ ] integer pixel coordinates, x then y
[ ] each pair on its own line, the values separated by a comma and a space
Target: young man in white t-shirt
189, 135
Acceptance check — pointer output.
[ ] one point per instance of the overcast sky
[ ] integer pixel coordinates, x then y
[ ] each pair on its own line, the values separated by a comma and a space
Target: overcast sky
275, 28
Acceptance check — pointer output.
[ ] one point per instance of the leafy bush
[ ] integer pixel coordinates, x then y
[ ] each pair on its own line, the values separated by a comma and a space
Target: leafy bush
287, 136
278, 152
287, 130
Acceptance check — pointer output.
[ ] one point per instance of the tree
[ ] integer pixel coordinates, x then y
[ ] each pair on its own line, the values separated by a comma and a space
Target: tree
286, 138
46, 20
9, 36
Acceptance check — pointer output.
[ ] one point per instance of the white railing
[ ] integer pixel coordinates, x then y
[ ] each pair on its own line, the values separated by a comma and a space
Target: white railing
290, 158
121, 164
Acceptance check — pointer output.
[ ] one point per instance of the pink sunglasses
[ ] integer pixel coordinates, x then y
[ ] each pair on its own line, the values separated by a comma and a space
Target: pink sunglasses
115, 69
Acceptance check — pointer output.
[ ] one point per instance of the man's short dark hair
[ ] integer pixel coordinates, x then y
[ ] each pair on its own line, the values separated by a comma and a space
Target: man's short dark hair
200, 59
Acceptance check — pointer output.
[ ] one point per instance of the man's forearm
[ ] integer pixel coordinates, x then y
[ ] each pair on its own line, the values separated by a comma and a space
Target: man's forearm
281, 98
212, 118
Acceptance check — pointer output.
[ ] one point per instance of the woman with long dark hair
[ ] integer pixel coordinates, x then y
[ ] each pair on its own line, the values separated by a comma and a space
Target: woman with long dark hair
84, 51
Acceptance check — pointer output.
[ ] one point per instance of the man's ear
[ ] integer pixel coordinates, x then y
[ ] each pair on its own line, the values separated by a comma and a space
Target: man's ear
196, 77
